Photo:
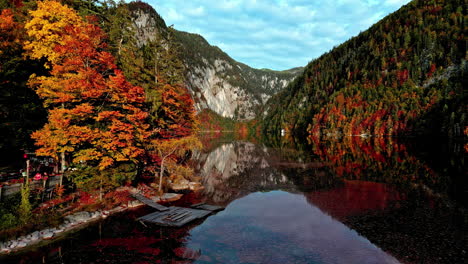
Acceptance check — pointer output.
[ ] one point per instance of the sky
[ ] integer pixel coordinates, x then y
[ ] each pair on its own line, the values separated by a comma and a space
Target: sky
275, 34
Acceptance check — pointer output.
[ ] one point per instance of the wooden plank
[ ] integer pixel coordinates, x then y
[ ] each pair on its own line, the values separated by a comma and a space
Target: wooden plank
149, 202
202, 206
174, 216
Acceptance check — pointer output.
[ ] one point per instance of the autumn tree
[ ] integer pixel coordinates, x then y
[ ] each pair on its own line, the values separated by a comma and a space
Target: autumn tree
169, 151
46, 27
94, 113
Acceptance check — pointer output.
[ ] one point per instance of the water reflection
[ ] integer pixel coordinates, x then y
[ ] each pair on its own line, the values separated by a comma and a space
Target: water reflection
235, 169
331, 202
377, 187
280, 227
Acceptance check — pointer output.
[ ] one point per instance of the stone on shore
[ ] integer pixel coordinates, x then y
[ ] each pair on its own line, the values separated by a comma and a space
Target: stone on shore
180, 185
196, 186
22, 244
78, 217
171, 197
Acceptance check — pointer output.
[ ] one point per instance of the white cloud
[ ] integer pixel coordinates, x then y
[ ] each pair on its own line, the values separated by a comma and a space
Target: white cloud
199, 11
396, 2
174, 16
276, 34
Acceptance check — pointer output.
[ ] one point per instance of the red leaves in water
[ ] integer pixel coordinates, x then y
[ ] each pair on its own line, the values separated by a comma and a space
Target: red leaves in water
355, 197
137, 244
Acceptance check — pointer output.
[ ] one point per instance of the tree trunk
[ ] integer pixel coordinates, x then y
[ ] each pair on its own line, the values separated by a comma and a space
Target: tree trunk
161, 173
62, 165
62, 155
27, 170
100, 191
120, 45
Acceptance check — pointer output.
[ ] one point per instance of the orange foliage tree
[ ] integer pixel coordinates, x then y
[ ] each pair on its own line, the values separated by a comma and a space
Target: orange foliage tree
94, 113
169, 151
8, 31
176, 113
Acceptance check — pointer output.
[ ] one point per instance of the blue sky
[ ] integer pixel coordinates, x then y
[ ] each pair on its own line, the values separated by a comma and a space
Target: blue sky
275, 34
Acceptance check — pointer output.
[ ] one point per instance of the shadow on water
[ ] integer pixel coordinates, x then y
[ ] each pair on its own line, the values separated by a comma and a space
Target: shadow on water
344, 201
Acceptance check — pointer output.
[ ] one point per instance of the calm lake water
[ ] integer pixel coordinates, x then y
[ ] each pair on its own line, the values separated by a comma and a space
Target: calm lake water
348, 201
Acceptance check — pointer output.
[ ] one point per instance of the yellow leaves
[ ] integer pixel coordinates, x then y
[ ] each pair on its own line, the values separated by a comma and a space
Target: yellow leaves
45, 29
51, 141
85, 155
95, 113
176, 146
105, 163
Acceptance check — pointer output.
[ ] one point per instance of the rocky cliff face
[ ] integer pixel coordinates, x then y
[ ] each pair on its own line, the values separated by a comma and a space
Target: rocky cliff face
215, 80
215, 85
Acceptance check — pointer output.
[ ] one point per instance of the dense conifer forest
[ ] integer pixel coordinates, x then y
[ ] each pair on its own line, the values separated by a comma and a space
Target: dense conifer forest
406, 75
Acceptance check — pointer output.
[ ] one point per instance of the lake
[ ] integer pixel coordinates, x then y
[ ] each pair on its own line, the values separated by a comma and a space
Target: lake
342, 201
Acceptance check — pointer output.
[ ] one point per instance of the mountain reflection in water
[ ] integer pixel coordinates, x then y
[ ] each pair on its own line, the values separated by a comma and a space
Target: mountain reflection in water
331, 202
409, 207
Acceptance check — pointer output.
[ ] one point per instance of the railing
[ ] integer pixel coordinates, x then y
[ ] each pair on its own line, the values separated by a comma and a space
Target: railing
8, 190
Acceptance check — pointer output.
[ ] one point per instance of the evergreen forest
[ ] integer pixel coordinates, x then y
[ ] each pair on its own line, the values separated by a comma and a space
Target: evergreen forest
404, 76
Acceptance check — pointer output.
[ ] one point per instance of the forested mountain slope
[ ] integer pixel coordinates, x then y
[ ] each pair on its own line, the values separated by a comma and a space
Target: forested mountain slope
404, 75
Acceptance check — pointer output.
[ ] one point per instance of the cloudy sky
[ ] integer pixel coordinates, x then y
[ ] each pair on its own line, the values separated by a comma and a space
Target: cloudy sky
275, 34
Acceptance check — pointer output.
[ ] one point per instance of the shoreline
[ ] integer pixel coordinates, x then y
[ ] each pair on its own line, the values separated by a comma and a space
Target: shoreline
72, 223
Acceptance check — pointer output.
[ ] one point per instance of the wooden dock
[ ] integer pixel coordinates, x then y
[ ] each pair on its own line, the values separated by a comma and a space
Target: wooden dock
175, 216
208, 207
150, 202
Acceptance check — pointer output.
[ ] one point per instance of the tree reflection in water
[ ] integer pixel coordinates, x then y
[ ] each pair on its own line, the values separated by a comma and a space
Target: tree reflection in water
289, 202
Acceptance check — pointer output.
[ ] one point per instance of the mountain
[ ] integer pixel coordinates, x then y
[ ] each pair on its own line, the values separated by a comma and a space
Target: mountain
216, 81
405, 75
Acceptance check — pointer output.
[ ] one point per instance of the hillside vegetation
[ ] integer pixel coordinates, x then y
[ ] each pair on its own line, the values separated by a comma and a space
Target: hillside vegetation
404, 76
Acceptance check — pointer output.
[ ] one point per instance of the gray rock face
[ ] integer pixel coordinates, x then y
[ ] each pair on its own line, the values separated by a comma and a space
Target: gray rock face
215, 80
211, 85
146, 26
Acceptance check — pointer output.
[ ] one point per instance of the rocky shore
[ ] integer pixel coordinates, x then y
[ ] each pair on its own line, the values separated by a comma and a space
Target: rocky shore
74, 222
